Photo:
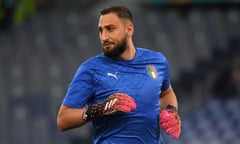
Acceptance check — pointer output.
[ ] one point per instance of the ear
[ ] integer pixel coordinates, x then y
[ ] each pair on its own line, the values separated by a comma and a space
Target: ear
130, 29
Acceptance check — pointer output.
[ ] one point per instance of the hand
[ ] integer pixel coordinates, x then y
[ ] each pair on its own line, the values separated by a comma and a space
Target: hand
115, 102
171, 122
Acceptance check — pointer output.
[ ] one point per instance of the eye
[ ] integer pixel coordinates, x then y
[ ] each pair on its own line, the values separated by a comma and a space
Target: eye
111, 28
100, 30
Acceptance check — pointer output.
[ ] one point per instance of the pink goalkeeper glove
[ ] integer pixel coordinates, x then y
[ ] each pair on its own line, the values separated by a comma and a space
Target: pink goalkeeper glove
115, 102
171, 121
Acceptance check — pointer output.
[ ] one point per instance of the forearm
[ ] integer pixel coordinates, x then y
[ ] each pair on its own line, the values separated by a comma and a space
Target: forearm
168, 97
169, 117
69, 118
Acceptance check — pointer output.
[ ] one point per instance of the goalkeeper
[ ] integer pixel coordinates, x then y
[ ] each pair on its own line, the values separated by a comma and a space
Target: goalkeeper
125, 91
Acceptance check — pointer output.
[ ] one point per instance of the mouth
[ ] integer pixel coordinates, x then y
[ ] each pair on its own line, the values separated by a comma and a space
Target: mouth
107, 45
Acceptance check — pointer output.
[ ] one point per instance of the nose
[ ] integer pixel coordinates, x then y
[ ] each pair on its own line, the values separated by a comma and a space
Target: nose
103, 35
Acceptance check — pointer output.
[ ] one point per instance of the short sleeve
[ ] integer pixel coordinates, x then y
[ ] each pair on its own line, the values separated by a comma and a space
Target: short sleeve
166, 80
80, 89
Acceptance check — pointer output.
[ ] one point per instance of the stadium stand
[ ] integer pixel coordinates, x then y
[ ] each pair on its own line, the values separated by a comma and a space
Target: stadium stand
217, 122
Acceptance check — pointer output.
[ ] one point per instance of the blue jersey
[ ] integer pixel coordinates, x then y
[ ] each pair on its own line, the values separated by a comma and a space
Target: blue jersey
143, 78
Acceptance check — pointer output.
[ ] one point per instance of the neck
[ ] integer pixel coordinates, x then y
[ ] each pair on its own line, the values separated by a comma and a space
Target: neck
129, 53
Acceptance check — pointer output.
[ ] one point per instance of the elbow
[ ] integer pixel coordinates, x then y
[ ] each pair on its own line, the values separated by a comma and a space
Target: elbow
60, 124
68, 118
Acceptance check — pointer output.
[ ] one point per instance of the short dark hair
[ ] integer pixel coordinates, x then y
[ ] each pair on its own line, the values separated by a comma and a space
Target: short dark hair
121, 11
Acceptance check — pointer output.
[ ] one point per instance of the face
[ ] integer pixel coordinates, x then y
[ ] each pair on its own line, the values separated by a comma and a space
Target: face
113, 35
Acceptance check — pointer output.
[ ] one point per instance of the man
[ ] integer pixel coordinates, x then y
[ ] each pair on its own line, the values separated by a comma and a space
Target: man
122, 90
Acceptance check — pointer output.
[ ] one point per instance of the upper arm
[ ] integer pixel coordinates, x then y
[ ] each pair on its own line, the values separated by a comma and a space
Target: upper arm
78, 94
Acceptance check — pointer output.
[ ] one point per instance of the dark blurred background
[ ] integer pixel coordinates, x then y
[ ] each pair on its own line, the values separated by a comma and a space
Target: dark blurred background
42, 42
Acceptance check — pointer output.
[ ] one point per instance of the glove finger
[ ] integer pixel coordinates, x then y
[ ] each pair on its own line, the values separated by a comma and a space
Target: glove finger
166, 125
163, 121
123, 103
165, 114
171, 130
168, 118
129, 103
119, 96
125, 97
126, 106
173, 122
123, 108
176, 134
132, 105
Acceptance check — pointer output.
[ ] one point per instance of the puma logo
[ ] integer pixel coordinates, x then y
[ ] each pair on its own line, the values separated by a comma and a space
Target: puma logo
112, 75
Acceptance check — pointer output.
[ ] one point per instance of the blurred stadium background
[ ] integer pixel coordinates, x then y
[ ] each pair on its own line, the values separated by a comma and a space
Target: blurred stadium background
42, 42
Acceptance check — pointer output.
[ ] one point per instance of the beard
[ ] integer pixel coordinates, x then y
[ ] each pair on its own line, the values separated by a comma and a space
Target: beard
117, 50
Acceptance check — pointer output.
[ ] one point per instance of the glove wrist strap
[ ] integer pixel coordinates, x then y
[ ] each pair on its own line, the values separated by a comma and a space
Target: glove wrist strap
92, 112
98, 110
172, 108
